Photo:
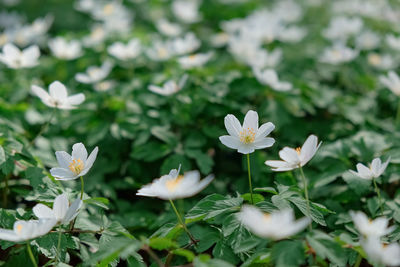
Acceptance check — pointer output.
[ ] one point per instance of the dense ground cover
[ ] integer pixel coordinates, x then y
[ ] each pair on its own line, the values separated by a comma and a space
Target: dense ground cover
152, 83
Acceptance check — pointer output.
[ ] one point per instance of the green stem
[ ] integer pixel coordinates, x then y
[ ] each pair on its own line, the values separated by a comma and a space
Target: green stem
28, 246
44, 127
358, 262
397, 122
194, 241
82, 185
303, 177
59, 245
249, 172
378, 192
5, 191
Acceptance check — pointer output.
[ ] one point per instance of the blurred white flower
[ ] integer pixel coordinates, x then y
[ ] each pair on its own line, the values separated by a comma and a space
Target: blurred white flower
340, 28
270, 78
393, 42
248, 137
292, 34
174, 186
104, 86
338, 54
391, 81
195, 60
220, 39
96, 36
62, 212
186, 10
75, 165
375, 169
260, 58
63, 49
170, 87
160, 51
168, 28
295, 158
125, 51
186, 44
370, 228
26, 230
383, 62
94, 74
276, 225
367, 40
377, 252
58, 96
14, 58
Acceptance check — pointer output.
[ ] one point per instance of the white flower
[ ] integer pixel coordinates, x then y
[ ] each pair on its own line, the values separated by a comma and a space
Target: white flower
14, 58
370, 228
220, 39
375, 169
248, 137
94, 74
388, 255
160, 51
186, 10
168, 28
96, 36
292, 34
62, 212
367, 40
125, 52
295, 158
195, 60
384, 62
261, 58
392, 81
26, 230
342, 28
173, 186
63, 49
338, 54
58, 96
75, 165
276, 225
270, 78
104, 86
186, 44
393, 42
170, 87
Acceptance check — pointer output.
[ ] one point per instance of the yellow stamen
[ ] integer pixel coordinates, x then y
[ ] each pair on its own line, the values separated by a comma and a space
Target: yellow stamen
19, 227
298, 150
267, 216
247, 136
193, 56
76, 166
374, 59
108, 9
173, 183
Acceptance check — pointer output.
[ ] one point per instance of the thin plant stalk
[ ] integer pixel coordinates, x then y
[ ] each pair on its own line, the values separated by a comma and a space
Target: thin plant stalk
44, 127
59, 245
249, 173
378, 192
5, 191
303, 177
397, 122
358, 261
82, 186
194, 241
28, 247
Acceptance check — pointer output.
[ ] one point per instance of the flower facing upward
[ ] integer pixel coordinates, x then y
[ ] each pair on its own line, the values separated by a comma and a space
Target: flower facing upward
58, 96
94, 74
25, 230
375, 169
174, 186
370, 228
170, 87
14, 58
75, 165
62, 212
277, 225
295, 158
248, 137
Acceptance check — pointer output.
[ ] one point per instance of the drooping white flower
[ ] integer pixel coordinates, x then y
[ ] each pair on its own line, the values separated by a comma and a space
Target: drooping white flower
26, 230
387, 254
195, 60
375, 169
393, 42
58, 96
338, 54
125, 51
14, 58
170, 87
62, 212
94, 74
295, 158
392, 82
168, 28
270, 78
174, 186
63, 49
186, 10
75, 165
370, 228
248, 137
186, 44
276, 225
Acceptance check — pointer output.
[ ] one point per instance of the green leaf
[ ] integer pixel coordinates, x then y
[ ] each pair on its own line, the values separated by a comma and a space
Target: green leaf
203, 160
256, 197
316, 215
266, 189
2, 155
189, 255
326, 247
288, 253
98, 201
161, 243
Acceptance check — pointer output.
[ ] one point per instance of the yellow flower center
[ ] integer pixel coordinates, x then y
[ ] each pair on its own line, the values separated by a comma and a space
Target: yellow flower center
173, 183
76, 166
298, 150
192, 57
267, 217
374, 59
247, 136
162, 52
108, 9
19, 228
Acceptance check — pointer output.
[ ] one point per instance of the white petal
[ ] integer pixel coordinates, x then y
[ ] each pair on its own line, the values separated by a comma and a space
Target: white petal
230, 141
246, 149
290, 155
9, 235
76, 99
83, 78
58, 91
72, 211
264, 142
60, 206
79, 152
64, 159
62, 174
364, 171
92, 157
42, 211
309, 149
251, 120
232, 125
265, 130
40, 92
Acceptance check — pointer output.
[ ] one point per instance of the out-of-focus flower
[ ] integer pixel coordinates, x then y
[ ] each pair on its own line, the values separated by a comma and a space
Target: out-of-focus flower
26, 230
104, 86
387, 254
186, 44
94, 74
295, 158
340, 28
338, 54
125, 52
270, 78
220, 39
168, 28
75, 165
14, 58
276, 225
58, 96
96, 36
63, 49
375, 169
393, 41
292, 34
248, 137
384, 62
174, 186
391, 81
170, 87
195, 60
370, 228
160, 51
62, 212
186, 10
367, 40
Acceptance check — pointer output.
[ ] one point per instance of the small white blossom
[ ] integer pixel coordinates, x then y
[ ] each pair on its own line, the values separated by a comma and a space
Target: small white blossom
338, 54
186, 10
63, 49
160, 51
195, 60
393, 42
375, 169
186, 44
26, 230
14, 58
270, 78
370, 228
292, 34
170, 87
384, 62
387, 254
168, 28
342, 28
94, 74
392, 82
125, 51
367, 40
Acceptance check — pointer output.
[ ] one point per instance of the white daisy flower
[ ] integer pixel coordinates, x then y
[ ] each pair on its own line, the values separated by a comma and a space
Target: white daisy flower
63, 49
195, 60
14, 58
26, 230
270, 77
125, 51
170, 87
375, 169
392, 82
94, 74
